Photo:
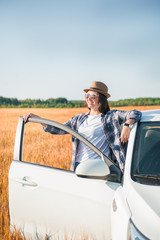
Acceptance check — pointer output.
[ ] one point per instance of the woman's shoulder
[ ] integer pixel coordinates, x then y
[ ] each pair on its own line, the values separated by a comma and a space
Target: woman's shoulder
80, 116
111, 113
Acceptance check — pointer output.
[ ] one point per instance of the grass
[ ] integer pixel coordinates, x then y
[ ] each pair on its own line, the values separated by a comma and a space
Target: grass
9, 120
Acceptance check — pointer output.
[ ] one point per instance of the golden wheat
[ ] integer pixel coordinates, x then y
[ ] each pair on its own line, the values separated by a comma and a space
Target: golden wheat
9, 120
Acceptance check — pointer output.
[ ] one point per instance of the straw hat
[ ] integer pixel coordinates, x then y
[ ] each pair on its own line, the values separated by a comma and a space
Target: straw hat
98, 87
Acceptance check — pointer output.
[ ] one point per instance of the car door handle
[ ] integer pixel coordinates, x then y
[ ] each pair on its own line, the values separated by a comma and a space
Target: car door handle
26, 181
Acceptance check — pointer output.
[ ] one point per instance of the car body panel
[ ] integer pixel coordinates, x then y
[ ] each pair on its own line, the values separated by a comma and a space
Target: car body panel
120, 215
145, 208
58, 201
150, 115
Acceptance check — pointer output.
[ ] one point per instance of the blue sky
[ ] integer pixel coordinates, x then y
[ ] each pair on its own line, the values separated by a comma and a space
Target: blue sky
56, 48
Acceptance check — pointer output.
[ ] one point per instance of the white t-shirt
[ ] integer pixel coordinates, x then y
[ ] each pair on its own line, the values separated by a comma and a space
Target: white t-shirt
92, 130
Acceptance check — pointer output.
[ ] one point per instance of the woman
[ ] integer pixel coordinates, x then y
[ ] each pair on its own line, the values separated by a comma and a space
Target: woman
100, 126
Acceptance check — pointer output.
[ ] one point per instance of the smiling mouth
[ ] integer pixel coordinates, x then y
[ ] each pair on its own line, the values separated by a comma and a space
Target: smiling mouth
90, 102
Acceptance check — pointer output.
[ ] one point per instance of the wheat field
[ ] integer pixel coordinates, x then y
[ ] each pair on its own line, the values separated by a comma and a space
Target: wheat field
8, 124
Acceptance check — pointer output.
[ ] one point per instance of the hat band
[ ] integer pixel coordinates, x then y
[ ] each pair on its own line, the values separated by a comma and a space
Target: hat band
97, 89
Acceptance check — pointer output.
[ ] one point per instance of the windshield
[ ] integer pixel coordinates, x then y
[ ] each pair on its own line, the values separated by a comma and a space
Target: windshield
146, 158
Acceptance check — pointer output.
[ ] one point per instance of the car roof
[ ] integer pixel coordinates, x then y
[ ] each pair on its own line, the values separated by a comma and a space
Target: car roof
150, 115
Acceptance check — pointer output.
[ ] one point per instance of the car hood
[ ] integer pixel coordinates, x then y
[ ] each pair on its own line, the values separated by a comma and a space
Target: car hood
144, 204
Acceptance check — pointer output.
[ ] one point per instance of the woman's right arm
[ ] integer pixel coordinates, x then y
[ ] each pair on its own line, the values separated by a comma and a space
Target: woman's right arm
52, 129
46, 128
26, 116
55, 130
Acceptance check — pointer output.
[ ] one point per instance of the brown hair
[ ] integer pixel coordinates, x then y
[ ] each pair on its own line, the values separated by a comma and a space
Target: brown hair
103, 104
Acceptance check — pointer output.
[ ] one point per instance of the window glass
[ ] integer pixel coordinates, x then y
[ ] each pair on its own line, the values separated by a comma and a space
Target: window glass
146, 158
46, 149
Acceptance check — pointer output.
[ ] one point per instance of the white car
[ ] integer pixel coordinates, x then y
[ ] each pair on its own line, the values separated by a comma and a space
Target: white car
96, 201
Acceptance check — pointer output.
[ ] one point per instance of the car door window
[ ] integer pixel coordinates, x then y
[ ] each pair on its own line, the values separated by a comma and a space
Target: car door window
146, 160
43, 148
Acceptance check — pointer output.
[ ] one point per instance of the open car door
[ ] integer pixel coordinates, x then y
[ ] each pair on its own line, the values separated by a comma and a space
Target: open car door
58, 203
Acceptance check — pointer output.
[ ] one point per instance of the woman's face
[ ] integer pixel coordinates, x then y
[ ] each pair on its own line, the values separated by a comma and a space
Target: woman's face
92, 99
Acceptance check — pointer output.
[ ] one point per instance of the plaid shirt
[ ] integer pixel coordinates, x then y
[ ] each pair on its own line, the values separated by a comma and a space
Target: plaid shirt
111, 125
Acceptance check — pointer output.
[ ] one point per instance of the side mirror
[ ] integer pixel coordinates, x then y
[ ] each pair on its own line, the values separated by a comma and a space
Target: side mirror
93, 168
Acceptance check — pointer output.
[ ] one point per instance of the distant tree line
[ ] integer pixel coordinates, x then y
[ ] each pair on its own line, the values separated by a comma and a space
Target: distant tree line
135, 102
38, 103
64, 103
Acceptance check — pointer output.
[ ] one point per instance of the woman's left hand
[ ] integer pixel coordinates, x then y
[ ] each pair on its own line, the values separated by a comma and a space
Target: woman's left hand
125, 134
